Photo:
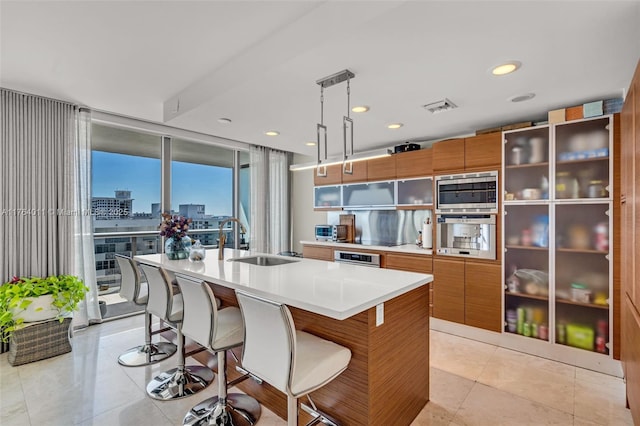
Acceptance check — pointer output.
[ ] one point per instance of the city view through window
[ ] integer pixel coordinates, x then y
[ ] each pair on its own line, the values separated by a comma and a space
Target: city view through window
126, 194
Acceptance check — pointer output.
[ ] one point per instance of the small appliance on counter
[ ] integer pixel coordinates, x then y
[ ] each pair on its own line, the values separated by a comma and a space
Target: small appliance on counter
335, 233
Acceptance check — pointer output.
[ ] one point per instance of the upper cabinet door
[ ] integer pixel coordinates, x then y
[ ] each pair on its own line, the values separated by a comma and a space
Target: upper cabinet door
483, 151
414, 163
381, 168
334, 176
355, 172
448, 155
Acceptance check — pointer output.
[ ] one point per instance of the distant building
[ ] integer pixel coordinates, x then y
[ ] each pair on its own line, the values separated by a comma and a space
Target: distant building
118, 207
194, 211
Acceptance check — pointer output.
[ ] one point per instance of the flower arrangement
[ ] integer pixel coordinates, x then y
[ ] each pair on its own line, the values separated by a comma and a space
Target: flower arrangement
16, 295
175, 226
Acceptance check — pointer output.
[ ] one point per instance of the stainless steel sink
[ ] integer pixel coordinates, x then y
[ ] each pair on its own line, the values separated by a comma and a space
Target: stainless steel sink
263, 260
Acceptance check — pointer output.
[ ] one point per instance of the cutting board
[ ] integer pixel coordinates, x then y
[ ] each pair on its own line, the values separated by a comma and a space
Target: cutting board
350, 221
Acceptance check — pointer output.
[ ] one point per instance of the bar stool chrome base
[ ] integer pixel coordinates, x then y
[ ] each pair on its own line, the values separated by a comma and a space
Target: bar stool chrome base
147, 354
175, 384
239, 410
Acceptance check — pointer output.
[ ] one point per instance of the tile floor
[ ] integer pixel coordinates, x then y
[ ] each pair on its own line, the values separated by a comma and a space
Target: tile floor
472, 383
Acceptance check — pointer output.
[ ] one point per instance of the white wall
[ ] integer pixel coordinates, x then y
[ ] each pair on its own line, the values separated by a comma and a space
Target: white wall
303, 217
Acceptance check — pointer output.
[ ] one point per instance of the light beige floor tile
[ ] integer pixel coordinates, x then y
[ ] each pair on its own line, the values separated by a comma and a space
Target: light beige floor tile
463, 357
539, 380
12, 403
433, 414
140, 412
448, 390
486, 406
601, 399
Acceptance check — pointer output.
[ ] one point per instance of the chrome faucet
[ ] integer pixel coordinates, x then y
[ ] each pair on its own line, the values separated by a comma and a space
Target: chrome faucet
223, 237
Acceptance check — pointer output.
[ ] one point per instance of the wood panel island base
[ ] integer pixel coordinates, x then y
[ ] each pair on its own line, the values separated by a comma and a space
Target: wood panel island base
387, 381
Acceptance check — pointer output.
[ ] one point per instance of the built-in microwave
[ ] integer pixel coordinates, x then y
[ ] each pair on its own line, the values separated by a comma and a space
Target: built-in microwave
467, 193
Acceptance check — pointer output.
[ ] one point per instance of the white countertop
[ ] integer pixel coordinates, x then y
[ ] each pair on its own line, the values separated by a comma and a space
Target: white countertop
405, 248
336, 290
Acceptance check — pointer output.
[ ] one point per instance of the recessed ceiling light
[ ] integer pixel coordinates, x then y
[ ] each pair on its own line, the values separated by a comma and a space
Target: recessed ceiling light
522, 98
310, 143
505, 68
361, 108
272, 133
224, 120
395, 125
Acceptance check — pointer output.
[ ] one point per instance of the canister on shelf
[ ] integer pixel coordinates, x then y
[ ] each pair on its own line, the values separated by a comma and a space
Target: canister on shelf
566, 185
601, 236
561, 333
520, 321
596, 189
526, 329
543, 332
580, 293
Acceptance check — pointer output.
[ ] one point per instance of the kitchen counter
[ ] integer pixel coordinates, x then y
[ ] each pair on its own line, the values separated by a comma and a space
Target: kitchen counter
381, 315
335, 290
405, 248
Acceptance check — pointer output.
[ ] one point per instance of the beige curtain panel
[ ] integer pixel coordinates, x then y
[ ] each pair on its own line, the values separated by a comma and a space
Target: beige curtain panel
45, 192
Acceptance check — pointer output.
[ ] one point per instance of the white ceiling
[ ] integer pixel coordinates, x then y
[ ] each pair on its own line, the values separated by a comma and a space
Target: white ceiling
256, 62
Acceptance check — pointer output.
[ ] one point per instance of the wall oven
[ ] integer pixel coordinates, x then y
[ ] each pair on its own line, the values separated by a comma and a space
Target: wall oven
467, 193
466, 236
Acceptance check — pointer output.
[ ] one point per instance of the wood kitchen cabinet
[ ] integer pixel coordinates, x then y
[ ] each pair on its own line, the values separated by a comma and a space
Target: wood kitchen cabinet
448, 289
483, 151
483, 295
358, 172
409, 262
468, 292
414, 163
318, 252
474, 153
334, 176
412, 263
448, 156
383, 168
630, 243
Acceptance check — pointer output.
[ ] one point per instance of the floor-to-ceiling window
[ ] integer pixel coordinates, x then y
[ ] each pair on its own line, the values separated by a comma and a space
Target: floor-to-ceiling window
127, 176
125, 199
202, 187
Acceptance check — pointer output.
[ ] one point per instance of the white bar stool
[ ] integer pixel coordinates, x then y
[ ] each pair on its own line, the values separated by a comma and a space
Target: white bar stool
133, 290
293, 361
181, 381
219, 330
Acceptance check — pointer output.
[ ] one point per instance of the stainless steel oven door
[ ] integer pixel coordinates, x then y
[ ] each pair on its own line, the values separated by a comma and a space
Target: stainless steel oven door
466, 236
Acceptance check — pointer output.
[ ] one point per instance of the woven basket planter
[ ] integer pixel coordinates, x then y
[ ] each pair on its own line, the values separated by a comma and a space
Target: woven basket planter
41, 340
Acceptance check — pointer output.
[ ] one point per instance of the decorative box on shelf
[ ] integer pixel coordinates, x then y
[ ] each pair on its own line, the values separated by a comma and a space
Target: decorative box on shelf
39, 340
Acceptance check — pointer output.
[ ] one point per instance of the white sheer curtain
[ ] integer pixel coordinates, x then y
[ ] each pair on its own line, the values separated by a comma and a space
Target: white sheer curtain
40, 197
270, 189
84, 251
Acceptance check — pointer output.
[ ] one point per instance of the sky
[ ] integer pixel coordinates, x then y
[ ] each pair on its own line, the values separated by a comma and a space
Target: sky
191, 183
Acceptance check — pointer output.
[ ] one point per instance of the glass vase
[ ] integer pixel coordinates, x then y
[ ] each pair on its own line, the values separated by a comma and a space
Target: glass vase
177, 248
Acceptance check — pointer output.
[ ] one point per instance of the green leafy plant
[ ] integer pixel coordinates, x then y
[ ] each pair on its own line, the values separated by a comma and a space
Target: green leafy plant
67, 292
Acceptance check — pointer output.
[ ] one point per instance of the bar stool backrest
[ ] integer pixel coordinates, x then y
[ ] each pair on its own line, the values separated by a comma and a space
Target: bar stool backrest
269, 340
130, 278
200, 315
160, 291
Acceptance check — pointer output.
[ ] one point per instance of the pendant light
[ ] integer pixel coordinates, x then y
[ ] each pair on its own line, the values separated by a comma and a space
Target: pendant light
347, 122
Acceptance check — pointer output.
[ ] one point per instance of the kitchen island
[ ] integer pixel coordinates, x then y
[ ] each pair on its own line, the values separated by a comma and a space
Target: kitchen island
381, 315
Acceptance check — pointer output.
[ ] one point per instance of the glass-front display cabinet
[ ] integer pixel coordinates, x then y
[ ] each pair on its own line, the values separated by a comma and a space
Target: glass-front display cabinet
557, 216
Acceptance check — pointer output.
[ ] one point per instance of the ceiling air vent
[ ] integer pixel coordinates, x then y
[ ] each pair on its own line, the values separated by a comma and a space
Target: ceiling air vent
440, 106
